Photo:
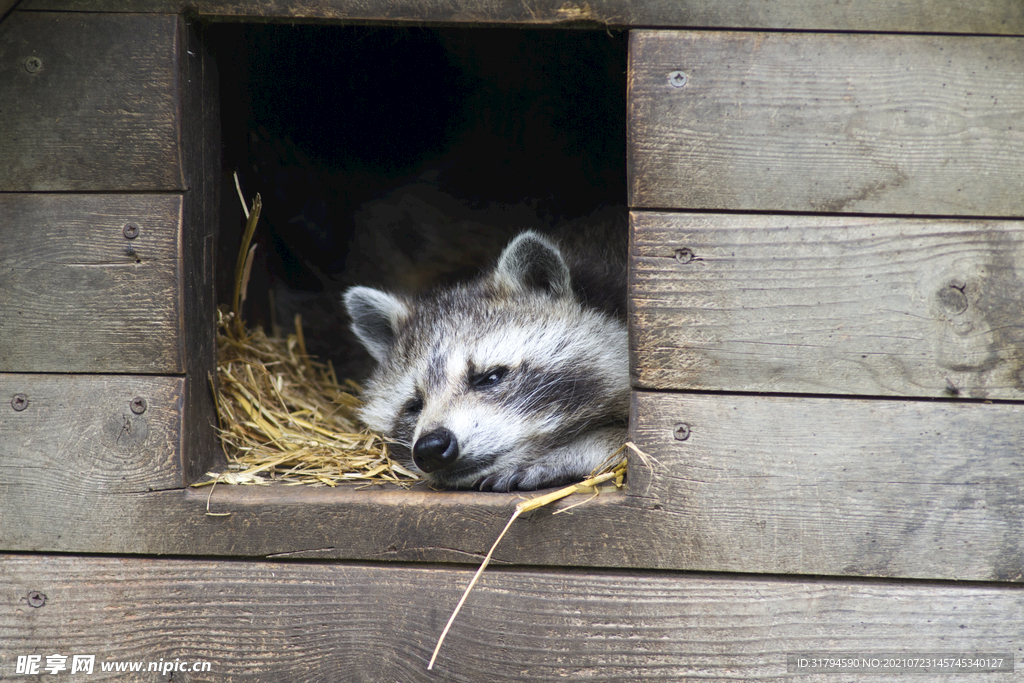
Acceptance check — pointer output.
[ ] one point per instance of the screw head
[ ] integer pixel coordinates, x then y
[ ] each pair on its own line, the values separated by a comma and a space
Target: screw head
131, 230
138, 405
19, 402
33, 65
684, 255
35, 599
677, 79
681, 431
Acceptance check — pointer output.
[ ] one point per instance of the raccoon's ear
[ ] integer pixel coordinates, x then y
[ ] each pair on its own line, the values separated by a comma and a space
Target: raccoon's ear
375, 318
532, 261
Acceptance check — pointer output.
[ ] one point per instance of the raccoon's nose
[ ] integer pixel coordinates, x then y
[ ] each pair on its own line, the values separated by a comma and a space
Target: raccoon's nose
435, 450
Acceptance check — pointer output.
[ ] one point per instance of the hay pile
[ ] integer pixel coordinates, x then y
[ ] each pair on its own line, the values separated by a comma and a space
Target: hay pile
284, 416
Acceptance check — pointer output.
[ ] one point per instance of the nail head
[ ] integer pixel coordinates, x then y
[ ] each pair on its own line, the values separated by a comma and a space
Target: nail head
684, 255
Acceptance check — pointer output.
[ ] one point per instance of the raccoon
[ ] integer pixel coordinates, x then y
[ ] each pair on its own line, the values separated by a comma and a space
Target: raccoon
518, 379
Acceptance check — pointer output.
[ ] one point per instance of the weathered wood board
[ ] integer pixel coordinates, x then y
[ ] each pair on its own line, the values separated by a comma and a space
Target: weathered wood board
831, 123
828, 305
200, 153
68, 439
839, 486
5, 7
76, 295
106, 283
321, 622
771, 485
319, 523
927, 16
90, 102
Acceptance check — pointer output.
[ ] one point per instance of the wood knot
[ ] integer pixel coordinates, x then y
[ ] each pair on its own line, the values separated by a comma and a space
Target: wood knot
953, 297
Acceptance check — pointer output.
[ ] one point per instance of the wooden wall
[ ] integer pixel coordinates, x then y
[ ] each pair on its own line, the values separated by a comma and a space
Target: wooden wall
273, 621
827, 349
108, 202
875, 360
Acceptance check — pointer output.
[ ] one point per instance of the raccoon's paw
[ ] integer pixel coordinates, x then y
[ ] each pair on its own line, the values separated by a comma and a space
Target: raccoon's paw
559, 467
499, 482
505, 481
528, 478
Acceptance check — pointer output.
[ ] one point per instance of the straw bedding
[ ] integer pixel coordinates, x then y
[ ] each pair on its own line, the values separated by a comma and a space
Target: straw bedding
285, 416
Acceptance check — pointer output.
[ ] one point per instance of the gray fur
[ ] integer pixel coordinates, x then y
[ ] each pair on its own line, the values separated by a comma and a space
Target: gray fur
513, 380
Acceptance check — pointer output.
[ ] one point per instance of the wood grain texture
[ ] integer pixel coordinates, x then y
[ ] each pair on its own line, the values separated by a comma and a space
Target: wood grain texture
837, 486
101, 111
321, 622
828, 305
77, 438
77, 296
200, 148
927, 16
827, 123
5, 7
343, 523
767, 485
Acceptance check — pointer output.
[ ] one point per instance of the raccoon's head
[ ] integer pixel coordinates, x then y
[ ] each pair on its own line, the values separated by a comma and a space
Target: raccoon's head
507, 382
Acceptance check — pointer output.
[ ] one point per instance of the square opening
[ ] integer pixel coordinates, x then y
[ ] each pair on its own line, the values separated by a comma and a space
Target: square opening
405, 157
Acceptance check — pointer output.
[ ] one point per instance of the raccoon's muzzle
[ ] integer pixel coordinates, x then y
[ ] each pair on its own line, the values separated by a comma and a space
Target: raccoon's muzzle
435, 450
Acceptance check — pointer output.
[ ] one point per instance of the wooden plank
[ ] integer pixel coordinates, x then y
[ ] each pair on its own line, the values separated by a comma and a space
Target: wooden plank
67, 439
839, 486
76, 295
311, 622
200, 150
98, 107
826, 123
828, 305
925, 16
319, 523
763, 485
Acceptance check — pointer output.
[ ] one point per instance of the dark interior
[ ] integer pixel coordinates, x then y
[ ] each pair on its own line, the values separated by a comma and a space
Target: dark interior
405, 157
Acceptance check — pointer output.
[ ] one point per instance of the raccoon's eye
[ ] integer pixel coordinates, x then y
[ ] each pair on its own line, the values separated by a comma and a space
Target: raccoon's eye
489, 378
414, 406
